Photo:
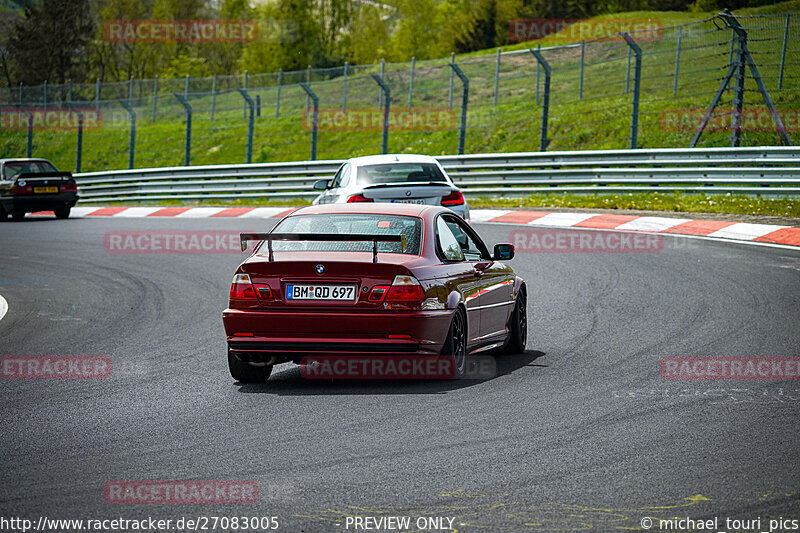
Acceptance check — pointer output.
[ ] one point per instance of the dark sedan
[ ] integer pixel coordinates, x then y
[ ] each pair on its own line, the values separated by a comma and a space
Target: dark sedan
29, 185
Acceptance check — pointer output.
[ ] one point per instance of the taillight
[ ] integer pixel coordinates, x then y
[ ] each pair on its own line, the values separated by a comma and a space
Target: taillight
359, 198
454, 198
242, 288
405, 289
377, 293
68, 187
264, 292
24, 189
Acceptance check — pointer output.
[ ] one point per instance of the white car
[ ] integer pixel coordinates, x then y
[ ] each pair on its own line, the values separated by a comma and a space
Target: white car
400, 178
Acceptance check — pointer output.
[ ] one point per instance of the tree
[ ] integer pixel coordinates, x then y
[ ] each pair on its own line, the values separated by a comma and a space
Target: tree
52, 42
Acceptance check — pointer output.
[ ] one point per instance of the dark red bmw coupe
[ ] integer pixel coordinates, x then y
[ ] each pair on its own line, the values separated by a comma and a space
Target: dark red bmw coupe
388, 280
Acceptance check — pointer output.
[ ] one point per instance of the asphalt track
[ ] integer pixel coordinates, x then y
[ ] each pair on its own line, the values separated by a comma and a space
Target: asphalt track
580, 432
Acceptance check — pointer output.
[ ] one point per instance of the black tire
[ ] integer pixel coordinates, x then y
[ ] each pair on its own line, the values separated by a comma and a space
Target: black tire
455, 345
518, 336
245, 372
17, 215
3, 214
62, 212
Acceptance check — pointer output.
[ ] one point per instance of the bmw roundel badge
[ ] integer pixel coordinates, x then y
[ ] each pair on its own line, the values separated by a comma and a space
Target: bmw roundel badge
408, 193
320, 269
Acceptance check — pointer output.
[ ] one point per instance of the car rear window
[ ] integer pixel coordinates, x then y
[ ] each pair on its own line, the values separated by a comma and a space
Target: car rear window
350, 223
399, 173
14, 168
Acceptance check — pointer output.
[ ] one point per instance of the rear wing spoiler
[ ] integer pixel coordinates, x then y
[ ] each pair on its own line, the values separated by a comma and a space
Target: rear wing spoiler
322, 237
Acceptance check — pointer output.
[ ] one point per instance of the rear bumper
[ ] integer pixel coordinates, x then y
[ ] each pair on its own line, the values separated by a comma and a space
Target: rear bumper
321, 333
41, 202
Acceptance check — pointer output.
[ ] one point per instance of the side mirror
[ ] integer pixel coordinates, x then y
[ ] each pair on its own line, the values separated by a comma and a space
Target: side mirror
320, 185
503, 252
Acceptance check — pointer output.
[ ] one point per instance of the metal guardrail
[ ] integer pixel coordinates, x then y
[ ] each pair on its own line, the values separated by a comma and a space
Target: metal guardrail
771, 170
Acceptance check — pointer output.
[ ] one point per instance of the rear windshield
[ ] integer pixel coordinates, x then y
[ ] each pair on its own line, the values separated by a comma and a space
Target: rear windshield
342, 223
14, 168
400, 173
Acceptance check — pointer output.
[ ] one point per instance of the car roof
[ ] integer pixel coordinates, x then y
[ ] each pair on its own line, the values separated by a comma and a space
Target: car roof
391, 158
22, 160
376, 208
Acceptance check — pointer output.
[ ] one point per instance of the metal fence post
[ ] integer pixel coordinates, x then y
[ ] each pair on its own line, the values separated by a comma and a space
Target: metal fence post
250, 123
538, 48
738, 97
464, 101
380, 90
278, 96
546, 103
132, 139
628, 73
69, 92
677, 61
344, 87
411, 81
188, 143
79, 141
314, 118
783, 51
213, 95
155, 99
258, 105
583, 62
387, 94
637, 78
308, 80
130, 91
496, 76
97, 94
44, 97
244, 104
29, 148
452, 73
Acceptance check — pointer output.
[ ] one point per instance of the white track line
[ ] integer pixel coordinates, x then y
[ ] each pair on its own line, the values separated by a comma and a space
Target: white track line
3, 307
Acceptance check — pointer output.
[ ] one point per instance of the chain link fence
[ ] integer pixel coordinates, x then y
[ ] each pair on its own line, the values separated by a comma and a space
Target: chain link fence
584, 95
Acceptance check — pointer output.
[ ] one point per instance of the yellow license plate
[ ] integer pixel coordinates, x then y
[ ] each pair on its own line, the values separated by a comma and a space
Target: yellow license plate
45, 190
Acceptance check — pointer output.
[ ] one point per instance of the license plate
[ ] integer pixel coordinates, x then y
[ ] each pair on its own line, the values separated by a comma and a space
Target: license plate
45, 190
414, 201
320, 292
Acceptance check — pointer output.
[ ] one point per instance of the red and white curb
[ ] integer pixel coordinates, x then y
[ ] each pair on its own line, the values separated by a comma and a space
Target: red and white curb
713, 229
